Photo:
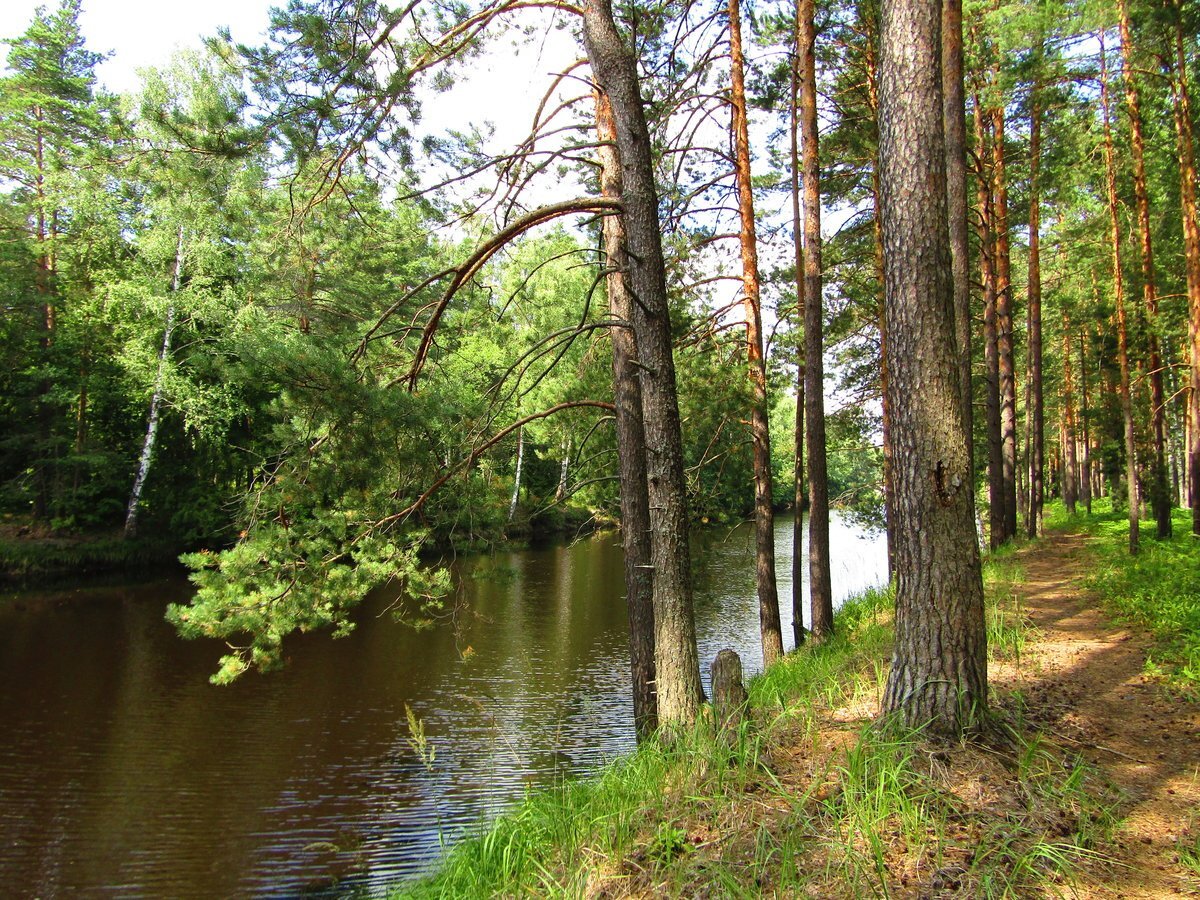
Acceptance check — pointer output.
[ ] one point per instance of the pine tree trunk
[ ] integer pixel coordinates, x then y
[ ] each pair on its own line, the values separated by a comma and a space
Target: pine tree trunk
1070, 482
820, 587
800, 503
676, 658
770, 628
867, 22
1085, 463
631, 441
164, 357
1191, 248
1035, 411
1160, 494
938, 676
1004, 327
955, 125
991, 349
1110, 177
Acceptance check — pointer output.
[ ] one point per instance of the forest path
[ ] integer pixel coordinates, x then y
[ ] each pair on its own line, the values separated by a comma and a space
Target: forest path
1084, 682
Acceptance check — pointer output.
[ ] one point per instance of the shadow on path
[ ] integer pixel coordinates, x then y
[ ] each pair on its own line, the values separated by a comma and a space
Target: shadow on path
1084, 683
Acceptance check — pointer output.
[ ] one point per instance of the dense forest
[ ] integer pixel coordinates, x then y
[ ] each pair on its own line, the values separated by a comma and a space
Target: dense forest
259, 313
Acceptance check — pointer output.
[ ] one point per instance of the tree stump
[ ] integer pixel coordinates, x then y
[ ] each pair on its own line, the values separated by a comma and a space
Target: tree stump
730, 700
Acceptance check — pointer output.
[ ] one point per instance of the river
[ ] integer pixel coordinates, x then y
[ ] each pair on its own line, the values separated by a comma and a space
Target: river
123, 772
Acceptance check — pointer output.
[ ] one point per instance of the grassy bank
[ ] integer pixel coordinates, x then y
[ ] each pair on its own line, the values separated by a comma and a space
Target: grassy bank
811, 798
24, 560
1157, 590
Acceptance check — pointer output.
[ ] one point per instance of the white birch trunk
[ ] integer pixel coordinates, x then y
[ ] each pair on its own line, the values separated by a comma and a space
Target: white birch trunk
563, 469
512, 505
135, 496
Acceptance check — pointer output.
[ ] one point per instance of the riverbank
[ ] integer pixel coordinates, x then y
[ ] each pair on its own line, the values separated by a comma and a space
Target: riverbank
29, 556
815, 800
32, 555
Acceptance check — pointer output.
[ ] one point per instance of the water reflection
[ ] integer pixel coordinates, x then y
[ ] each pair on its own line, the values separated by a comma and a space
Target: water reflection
122, 771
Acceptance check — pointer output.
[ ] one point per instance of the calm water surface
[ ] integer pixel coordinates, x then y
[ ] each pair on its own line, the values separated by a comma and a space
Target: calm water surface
123, 772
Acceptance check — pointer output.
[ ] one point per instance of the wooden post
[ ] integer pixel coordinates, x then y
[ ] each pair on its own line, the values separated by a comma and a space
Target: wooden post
730, 701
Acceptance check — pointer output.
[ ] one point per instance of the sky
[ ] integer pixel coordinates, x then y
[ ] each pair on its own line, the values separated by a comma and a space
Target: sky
142, 33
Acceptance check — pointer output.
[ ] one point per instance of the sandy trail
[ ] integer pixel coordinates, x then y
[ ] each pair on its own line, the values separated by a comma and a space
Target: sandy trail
1084, 682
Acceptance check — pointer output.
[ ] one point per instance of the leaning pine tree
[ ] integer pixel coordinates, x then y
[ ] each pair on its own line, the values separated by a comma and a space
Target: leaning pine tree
938, 676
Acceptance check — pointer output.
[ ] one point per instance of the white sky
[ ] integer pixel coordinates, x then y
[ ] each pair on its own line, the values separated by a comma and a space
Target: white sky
142, 33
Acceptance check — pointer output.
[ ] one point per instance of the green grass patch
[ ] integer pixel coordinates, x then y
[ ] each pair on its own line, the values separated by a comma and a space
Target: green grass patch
810, 796
1007, 623
1157, 590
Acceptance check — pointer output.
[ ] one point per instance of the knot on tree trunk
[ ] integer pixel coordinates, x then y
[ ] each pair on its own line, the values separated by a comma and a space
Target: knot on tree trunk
730, 701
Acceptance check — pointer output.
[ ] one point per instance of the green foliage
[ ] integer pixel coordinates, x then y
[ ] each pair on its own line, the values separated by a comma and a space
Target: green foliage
285, 579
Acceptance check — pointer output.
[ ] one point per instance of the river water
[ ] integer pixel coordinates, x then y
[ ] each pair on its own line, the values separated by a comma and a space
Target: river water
123, 772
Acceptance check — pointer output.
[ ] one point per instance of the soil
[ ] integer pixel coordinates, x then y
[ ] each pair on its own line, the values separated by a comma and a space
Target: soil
1085, 684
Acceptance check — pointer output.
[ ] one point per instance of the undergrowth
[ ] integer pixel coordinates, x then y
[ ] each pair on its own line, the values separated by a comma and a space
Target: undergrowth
811, 797
1158, 590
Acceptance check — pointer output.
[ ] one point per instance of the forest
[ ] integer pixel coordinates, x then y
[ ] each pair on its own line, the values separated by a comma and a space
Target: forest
258, 314
932, 266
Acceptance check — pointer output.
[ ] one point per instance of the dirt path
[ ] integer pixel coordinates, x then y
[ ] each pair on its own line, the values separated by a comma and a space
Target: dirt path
1083, 679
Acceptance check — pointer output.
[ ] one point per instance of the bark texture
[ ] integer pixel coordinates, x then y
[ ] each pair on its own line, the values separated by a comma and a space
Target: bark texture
1004, 327
939, 666
631, 441
676, 660
1070, 480
1191, 253
1035, 411
1114, 215
1159, 488
800, 502
954, 123
770, 629
991, 346
164, 356
820, 587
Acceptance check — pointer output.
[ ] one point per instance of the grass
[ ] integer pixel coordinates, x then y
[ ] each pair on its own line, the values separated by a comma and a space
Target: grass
1157, 590
812, 796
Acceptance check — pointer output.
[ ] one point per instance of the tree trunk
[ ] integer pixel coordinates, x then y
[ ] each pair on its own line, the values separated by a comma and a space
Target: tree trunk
889, 503
676, 659
1070, 482
798, 254
1085, 463
954, 123
938, 675
819, 583
1035, 412
564, 469
631, 441
1110, 178
1160, 495
1004, 328
764, 519
991, 351
516, 494
731, 703
1191, 247
164, 357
